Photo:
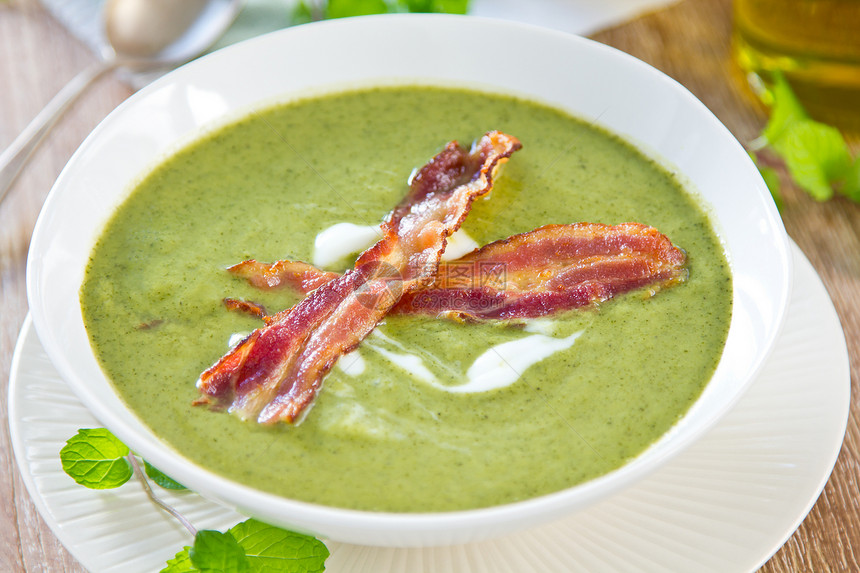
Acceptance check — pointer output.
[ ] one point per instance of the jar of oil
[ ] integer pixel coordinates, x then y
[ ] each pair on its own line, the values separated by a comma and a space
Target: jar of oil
815, 43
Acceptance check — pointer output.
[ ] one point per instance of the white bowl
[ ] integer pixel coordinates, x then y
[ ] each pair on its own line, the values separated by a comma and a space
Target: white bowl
588, 79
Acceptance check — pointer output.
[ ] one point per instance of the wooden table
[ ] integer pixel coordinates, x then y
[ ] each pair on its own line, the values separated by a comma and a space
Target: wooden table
689, 41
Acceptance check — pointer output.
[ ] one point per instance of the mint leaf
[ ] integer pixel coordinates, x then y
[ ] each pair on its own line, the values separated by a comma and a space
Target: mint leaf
161, 478
214, 551
271, 549
302, 13
444, 6
347, 8
95, 458
771, 179
451, 6
851, 187
265, 548
816, 156
786, 108
417, 5
181, 563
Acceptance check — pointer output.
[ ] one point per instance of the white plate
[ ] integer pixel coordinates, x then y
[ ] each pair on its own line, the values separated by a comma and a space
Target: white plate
726, 504
597, 84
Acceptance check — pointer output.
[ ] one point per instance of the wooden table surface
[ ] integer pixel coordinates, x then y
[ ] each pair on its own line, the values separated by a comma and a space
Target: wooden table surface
689, 41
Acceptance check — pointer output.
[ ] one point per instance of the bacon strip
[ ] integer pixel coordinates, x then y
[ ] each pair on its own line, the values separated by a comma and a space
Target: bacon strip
277, 371
551, 269
545, 271
301, 277
248, 307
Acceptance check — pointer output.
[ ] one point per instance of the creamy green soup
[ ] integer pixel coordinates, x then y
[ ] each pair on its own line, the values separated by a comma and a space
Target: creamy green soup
384, 437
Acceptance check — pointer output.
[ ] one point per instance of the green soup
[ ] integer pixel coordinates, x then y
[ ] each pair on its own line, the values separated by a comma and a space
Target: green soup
385, 439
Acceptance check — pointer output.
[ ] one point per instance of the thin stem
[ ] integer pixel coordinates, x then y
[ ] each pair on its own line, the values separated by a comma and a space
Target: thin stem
148, 489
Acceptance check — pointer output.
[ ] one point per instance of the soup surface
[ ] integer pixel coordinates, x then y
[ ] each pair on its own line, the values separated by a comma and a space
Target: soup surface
387, 433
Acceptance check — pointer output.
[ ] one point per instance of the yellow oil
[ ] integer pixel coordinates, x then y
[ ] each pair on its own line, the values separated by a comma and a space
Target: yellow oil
816, 43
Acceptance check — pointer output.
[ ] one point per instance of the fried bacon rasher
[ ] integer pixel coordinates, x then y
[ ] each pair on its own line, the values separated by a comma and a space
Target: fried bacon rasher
275, 373
545, 271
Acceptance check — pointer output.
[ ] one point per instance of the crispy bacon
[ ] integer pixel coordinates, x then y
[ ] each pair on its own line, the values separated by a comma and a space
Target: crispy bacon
545, 271
277, 371
551, 269
248, 307
302, 277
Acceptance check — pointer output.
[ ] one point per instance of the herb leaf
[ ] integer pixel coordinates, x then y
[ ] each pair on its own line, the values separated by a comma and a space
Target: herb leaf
264, 549
771, 179
309, 10
214, 551
95, 458
786, 109
451, 6
851, 188
444, 6
271, 549
302, 13
815, 153
346, 8
161, 478
181, 563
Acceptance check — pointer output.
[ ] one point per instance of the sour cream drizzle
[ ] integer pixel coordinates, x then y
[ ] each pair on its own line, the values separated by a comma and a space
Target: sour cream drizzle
412, 363
501, 365
352, 364
459, 244
341, 239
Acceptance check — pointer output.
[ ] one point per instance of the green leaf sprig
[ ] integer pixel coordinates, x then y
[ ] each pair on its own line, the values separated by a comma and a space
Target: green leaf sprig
311, 10
160, 478
251, 546
816, 154
96, 459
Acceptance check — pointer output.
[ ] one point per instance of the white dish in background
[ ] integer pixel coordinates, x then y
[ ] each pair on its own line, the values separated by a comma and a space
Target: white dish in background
726, 504
598, 83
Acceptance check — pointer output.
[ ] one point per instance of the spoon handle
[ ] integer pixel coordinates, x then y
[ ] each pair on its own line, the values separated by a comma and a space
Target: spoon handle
16, 155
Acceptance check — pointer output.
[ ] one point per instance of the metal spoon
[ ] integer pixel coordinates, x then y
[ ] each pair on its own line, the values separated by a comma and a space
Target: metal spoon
142, 35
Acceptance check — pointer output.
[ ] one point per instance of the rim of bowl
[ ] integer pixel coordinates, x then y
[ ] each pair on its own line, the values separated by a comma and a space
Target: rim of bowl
407, 528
